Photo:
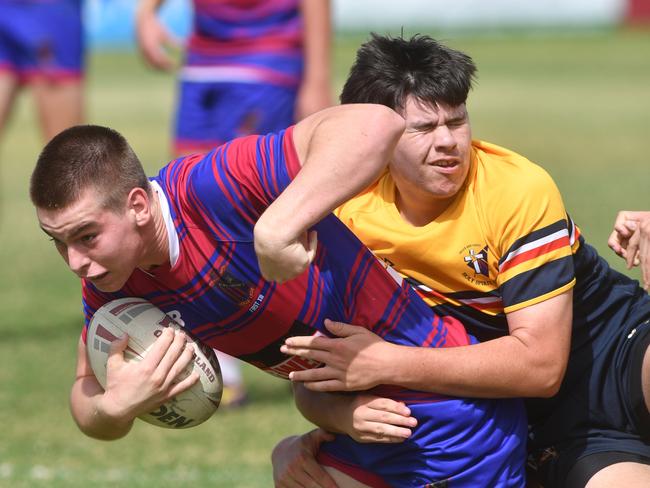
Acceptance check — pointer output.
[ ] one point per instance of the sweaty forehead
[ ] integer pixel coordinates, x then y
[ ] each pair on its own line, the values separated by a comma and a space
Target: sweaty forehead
72, 218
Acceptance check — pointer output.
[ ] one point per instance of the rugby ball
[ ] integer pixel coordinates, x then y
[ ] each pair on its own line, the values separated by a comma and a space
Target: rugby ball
144, 322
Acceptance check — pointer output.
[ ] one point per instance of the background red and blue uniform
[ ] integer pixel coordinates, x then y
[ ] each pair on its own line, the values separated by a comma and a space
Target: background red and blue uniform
42, 38
242, 71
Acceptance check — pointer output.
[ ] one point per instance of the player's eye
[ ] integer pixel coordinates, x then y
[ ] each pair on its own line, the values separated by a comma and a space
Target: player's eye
456, 122
87, 239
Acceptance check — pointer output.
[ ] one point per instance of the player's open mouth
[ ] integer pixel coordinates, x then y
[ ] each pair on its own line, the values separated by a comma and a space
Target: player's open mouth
445, 163
98, 277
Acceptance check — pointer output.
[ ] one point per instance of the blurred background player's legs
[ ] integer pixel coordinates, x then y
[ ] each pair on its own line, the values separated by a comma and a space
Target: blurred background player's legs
59, 104
234, 391
42, 45
8, 91
211, 113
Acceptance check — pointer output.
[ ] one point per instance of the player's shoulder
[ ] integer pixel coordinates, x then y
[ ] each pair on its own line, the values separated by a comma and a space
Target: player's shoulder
504, 174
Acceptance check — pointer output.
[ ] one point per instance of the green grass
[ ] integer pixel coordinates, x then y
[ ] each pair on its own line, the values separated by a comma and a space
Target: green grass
579, 105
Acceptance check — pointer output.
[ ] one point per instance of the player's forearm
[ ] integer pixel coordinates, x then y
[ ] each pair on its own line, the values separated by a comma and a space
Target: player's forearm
500, 368
326, 410
317, 41
88, 413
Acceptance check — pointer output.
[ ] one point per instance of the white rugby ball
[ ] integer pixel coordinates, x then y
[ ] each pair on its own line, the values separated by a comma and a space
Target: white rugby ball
144, 322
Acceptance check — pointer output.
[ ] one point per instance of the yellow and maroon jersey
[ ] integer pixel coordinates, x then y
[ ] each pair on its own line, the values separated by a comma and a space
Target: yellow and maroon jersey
494, 250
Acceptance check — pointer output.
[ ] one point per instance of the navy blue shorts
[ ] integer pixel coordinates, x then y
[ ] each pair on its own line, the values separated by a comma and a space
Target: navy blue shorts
599, 418
211, 113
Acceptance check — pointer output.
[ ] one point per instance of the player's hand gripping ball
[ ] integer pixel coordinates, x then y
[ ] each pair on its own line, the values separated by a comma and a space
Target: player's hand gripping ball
144, 322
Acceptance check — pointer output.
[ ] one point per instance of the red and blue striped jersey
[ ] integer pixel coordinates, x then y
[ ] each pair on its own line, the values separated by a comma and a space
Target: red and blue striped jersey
245, 41
213, 287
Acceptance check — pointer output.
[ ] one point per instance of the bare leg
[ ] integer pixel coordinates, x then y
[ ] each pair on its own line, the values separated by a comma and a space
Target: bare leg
630, 475
60, 105
343, 480
8, 91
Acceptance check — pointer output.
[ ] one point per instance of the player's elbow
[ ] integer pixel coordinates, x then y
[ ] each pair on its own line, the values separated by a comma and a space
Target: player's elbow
548, 378
89, 420
384, 119
89, 427
550, 386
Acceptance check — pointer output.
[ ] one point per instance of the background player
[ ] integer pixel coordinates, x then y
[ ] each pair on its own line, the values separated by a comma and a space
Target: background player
251, 66
190, 241
41, 45
482, 233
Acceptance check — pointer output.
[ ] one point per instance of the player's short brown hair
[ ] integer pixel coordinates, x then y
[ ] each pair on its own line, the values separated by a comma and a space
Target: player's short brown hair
83, 157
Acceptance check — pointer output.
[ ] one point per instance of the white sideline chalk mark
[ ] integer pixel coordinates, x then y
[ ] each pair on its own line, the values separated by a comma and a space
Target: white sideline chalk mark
6, 470
40, 472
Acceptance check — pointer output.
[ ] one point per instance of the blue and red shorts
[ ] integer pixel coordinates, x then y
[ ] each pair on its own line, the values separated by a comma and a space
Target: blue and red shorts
41, 39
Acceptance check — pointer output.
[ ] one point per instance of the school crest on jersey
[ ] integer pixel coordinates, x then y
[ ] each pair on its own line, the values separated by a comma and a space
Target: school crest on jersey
237, 291
475, 258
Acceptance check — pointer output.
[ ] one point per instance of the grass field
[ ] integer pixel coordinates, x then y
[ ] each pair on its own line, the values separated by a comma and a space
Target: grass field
577, 104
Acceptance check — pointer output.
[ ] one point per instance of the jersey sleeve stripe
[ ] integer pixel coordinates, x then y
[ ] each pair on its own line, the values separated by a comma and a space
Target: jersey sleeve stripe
534, 249
535, 258
534, 238
538, 282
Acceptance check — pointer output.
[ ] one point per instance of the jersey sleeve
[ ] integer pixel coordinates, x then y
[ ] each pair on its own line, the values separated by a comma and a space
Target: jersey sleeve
531, 237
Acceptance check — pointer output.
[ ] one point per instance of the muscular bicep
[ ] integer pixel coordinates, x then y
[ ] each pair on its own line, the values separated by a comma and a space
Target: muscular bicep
545, 330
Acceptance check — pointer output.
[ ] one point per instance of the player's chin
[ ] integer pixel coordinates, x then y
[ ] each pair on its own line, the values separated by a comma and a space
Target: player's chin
109, 283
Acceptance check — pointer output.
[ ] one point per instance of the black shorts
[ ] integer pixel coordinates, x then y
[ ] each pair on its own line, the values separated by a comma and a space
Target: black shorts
599, 418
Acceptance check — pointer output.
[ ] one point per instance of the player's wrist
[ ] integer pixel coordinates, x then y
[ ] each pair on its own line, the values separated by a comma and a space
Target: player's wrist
108, 411
391, 370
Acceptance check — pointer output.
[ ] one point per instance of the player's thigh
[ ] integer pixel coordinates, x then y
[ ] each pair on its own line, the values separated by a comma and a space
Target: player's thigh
343, 480
59, 104
8, 90
629, 475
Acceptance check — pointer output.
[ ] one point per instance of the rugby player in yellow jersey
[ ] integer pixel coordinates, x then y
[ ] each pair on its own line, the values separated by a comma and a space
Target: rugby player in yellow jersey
483, 234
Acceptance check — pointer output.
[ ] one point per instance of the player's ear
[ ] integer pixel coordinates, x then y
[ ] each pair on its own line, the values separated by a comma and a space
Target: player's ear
139, 206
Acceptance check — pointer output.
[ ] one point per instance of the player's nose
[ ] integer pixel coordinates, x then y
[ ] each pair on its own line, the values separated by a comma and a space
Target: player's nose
78, 261
443, 137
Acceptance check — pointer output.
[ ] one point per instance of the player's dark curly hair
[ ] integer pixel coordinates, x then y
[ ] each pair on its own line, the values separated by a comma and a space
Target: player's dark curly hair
388, 69
82, 157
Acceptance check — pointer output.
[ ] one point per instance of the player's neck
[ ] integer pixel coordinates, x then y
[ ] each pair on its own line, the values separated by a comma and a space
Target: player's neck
156, 251
419, 212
